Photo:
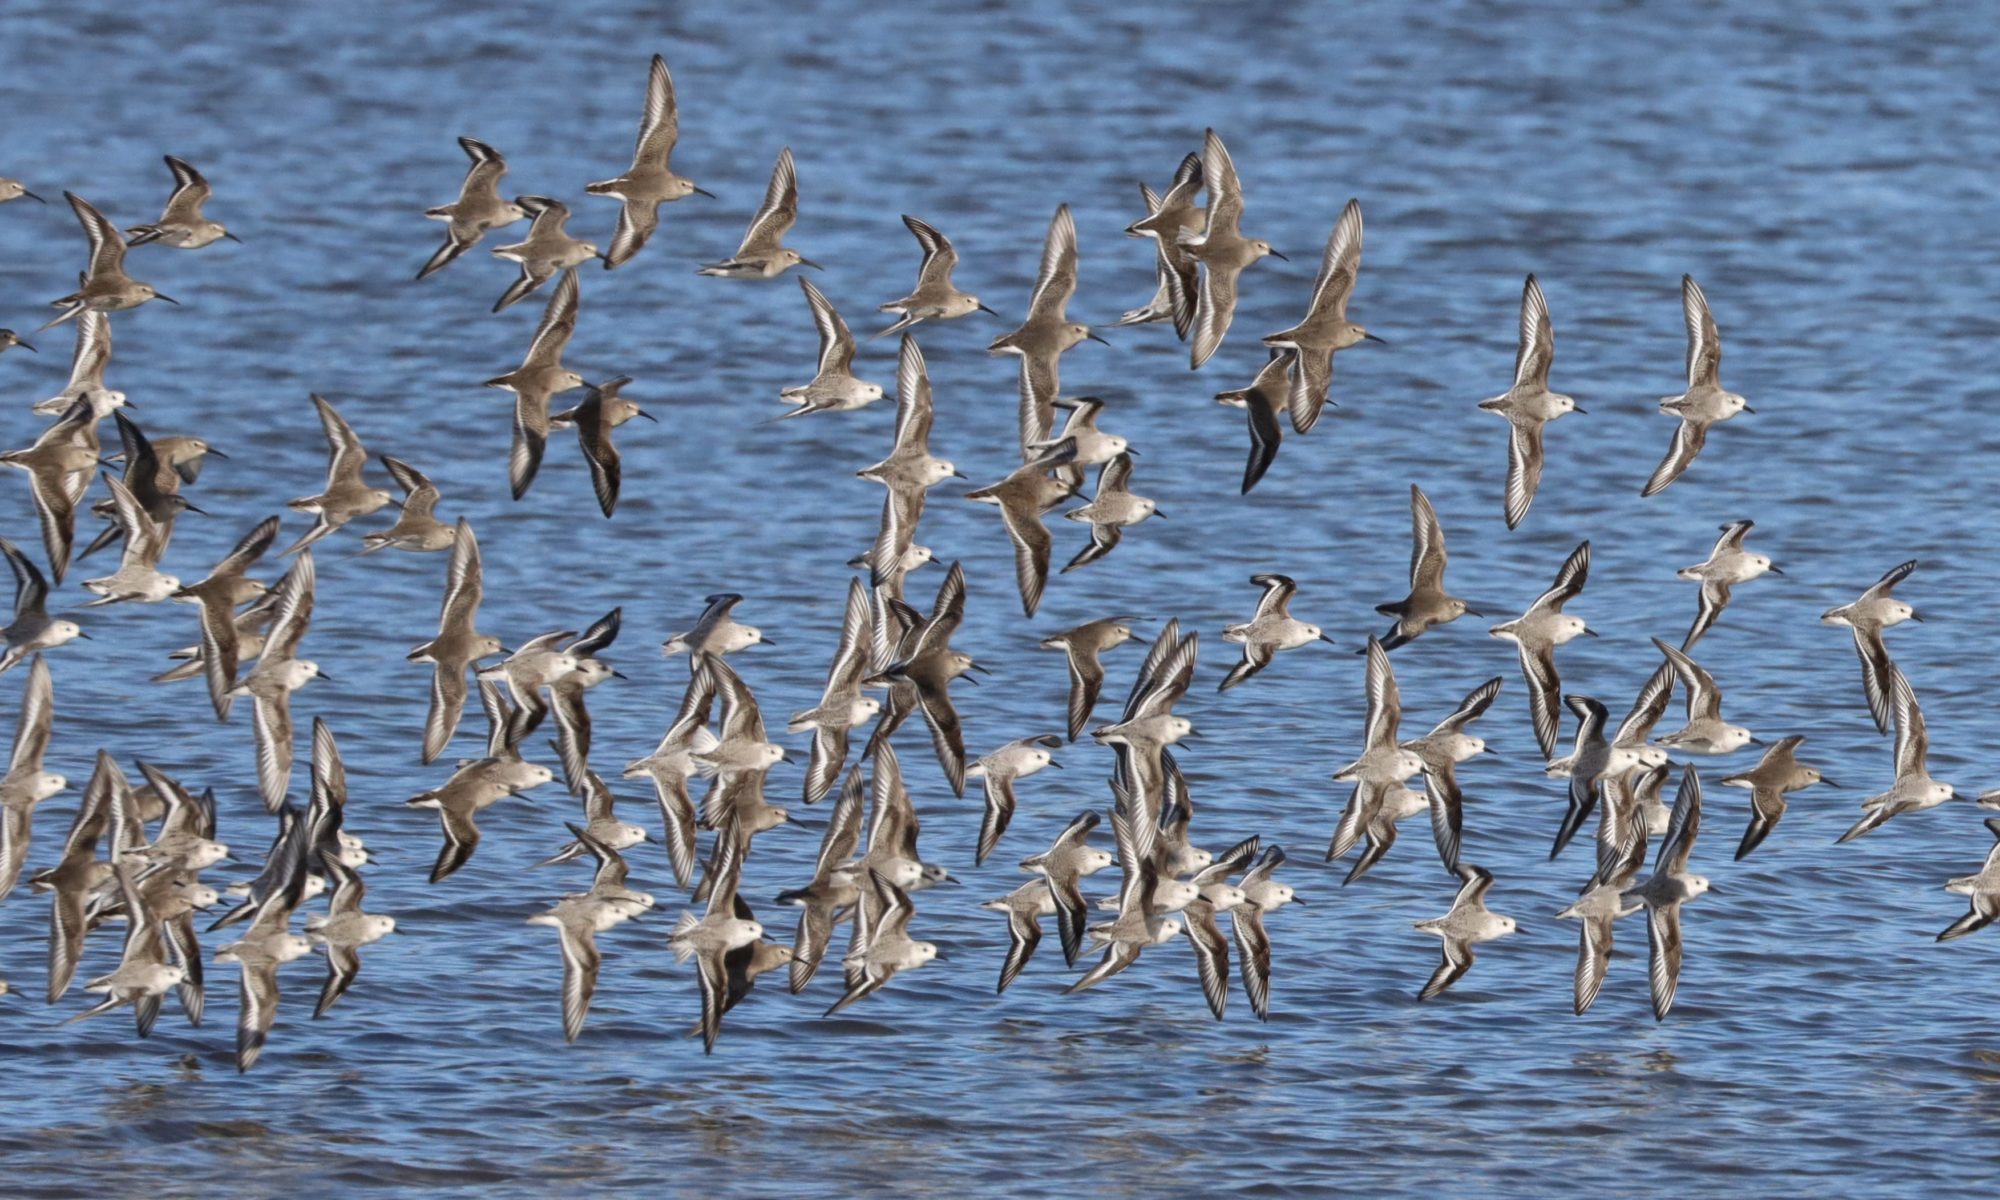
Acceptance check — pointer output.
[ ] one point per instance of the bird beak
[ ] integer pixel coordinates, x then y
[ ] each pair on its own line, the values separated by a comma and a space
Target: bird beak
325, 676
978, 668
702, 192
640, 412
1588, 630
24, 345
191, 508
1584, 411
80, 633
1751, 411
1916, 616
765, 641
1494, 755
232, 237
1371, 337
30, 195
167, 298
1825, 782
219, 454
1095, 338
1473, 612
984, 309
961, 475
619, 675
1299, 902
1328, 640
954, 881
1058, 766
1756, 741
807, 262
1162, 516
1776, 571
1279, 257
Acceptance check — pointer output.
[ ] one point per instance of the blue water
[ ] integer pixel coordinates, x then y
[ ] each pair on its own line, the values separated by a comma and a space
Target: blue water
1827, 177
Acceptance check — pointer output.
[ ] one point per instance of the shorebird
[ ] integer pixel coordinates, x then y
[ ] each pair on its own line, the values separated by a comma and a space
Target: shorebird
1704, 403
343, 931
1467, 924
267, 945
1441, 750
579, 917
1093, 446
1428, 604
1705, 732
546, 252
1325, 331
1585, 766
226, 587
1111, 509
1067, 861
602, 411
1913, 790
1175, 275
478, 785
834, 889
834, 386
88, 359
9, 339
715, 633
1728, 564
78, 871
1081, 646
105, 286
1778, 773
182, 454
841, 705
347, 495
1868, 616
1270, 629
1529, 404
1025, 907
650, 180
280, 672
58, 466
27, 782
1983, 890
566, 692
920, 677
1383, 763
935, 298
1033, 488
1263, 400
672, 762
997, 773
1141, 920
911, 469
881, 946
1218, 896
144, 976
155, 488
744, 965
14, 189
417, 527
1669, 886
137, 577
478, 209
534, 665
893, 828
32, 630
182, 224
1600, 906
763, 254
540, 376
1222, 250
713, 935
1536, 634
1046, 333
1246, 921
1148, 726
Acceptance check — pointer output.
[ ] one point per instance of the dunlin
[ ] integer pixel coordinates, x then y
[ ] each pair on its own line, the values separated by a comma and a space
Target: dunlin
478, 209
650, 180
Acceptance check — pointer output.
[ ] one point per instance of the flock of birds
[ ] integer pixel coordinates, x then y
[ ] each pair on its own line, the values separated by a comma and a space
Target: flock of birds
135, 852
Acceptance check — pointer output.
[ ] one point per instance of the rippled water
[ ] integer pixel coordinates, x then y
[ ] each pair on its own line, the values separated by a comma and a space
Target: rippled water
1826, 177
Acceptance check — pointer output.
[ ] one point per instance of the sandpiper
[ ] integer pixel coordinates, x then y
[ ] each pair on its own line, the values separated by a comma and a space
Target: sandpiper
1704, 403
935, 297
1705, 732
478, 209
1222, 249
138, 577
763, 254
1428, 604
1025, 907
540, 376
1913, 790
182, 224
58, 466
86, 370
1776, 774
27, 783
1467, 924
1325, 331
1022, 497
1141, 922
1271, 629
347, 493
417, 527
546, 252
280, 672
1536, 634
715, 633
672, 762
1441, 750
1111, 509
343, 931
1669, 886
14, 189
1081, 646
1383, 763
1263, 400
32, 630
9, 339
144, 975
1253, 942
1069, 859
105, 287
1868, 616
1983, 889
226, 587
841, 705
650, 180
998, 772
882, 946
921, 676
834, 386
477, 785
1175, 274
1598, 909
834, 889
1047, 333
1728, 564
602, 411
1529, 404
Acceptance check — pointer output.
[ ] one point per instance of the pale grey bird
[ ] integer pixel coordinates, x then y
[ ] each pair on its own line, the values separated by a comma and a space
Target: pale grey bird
58, 466
1270, 629
1325, 331
78, 872
763, 254
881, 947
182, 224
1529, 404
1585, 766
579, 917
1221, 248
32, 630
713, 935
1669, 886
1112, 508
105, 286
458, 645
834, 386
417, 527
347, 494
835, 886
893, 828
935, 297
1428, 603
920, 678
88, 360
1025, 907
1536, 634
602, 411
1031, 490
27, 783
546, 252
1175, 274
540, 376
1141, 921
1205, 936
1705, 732
267, 945
1046, 333
1778, 773
1602, 903
1148, 726
280, 672
1728, 564
1868, 616
1913, 790
671, 764
138, 577
911, 469
1704, 403
650, 181
478, 210
1441, 750
1983, 889
1068, 860
343, 931
144, 976
600, 823
841, 705
716, 633
997, 773
1082, 646
1253, 942
1468, 923
1384, 763
477, 785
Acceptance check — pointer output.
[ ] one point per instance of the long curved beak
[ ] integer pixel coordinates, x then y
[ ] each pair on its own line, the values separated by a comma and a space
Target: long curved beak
978, 668
232, 237
1825, 782
1371, 337
1473, 612
30, 195
1280, 257
24, 345
640, 412
1095, 338
219, 454
984, 309
167, 298
807, 262
700, 191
